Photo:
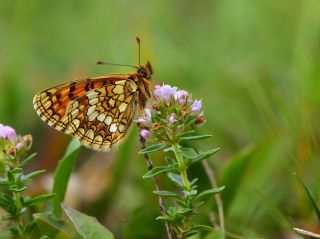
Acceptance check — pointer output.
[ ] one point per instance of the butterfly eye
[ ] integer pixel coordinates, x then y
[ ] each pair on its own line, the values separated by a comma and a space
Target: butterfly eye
143, 72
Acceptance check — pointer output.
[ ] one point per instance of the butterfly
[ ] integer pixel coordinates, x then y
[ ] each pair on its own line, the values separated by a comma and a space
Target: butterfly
97, 111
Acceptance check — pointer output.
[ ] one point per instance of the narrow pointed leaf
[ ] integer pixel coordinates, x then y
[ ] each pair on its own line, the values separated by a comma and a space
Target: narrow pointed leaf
157, 170
29, 176
204, 155
176, 179
311, 198
196, 137
38, 199
152, 148
189, 153
210, 191
203, 228
27, 160
166, 194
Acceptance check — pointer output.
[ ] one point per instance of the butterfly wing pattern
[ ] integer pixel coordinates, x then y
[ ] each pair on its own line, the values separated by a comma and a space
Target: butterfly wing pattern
97, 111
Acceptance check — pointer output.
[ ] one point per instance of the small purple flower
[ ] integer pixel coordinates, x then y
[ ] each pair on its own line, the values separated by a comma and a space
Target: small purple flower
145, 133
139, 120
164, 92
145, 119
196, 106
181, 96
172, 118
147, 115
8, 133
20, 146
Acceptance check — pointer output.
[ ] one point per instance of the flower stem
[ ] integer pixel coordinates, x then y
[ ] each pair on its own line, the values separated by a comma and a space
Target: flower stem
182, 166
155, 181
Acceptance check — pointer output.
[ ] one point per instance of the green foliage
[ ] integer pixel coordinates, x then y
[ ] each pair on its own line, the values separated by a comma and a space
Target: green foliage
254, 63
88, 227
62, 175
173, 120
13, 182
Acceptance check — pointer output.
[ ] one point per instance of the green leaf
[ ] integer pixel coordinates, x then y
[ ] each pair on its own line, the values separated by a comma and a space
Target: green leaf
35, 200
152, 148
204, 155
189, 153
196, 137
190, 193
29, 176
157, 170
176, 178
54, 227
166, 194
193, 181
210, 191
187, 133
87, 226
310, 196
203, 228
165, 218
169, 160
15, 188
16, 171
27, 160
62, 175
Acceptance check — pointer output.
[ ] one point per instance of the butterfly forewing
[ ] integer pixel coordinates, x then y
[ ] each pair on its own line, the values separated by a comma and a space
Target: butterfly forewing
97, 111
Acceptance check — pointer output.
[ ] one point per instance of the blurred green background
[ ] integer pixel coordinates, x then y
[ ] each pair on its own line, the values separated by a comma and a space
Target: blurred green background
255, 65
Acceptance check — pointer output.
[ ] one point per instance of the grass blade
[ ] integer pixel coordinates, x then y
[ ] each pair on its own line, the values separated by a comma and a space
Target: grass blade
62, 175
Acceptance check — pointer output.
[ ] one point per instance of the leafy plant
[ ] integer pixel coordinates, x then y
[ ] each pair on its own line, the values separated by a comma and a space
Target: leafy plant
169, 125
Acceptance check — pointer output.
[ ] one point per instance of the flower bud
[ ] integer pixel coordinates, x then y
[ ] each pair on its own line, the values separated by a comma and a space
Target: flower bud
144, 133
13, 152
156, 126
200, 119
28, 141
172, 118
20, 146
184, 111
155, 106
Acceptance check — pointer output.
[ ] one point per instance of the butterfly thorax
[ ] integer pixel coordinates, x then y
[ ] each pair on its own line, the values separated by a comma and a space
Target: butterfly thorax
143, 75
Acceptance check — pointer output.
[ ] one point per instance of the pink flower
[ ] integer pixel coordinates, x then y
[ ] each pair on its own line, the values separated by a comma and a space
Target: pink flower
196, 106
164, 92
8, 133
181, 96
145, 133
145, 119
172, 118
19, 146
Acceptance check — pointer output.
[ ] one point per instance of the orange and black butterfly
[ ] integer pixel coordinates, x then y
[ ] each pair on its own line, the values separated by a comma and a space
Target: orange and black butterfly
97, 111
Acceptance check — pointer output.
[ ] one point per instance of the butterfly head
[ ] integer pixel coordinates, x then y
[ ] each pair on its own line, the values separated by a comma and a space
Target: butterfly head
145, 70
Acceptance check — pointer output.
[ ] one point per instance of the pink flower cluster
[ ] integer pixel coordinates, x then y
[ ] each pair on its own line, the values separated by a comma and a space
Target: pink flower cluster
19, 143
169, 108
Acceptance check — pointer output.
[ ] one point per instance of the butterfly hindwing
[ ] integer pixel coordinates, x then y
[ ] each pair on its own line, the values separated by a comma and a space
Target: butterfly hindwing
97, 111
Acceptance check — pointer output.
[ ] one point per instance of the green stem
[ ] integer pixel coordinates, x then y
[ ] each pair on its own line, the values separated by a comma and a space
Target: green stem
19, 208
182, 166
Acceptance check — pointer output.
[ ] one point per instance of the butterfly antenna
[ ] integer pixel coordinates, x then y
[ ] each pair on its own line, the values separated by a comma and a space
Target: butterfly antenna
114, 64
138, 41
